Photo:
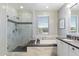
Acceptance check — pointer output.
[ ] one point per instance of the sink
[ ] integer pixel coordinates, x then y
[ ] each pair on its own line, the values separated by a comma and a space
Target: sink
68, 40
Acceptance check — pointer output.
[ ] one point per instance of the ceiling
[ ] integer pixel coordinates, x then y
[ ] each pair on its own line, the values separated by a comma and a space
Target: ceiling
37, 6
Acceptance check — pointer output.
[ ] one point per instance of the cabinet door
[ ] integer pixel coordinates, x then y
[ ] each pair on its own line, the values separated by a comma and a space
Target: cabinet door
65, 49
73, 51
59, 48
77, 52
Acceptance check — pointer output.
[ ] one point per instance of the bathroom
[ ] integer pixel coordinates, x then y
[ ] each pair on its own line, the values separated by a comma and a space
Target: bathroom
32, 29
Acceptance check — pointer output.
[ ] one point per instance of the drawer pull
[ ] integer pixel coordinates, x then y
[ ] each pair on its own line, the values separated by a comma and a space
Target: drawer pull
73, 49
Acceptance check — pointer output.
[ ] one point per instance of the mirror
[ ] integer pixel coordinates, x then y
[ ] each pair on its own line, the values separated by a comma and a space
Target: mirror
74, 22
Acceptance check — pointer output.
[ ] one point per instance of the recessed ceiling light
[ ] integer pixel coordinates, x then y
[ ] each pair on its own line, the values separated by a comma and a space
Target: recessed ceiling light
46, 6
21, 7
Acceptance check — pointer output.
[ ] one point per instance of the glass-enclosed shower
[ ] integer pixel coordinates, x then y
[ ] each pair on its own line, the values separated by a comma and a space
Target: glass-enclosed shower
18, 34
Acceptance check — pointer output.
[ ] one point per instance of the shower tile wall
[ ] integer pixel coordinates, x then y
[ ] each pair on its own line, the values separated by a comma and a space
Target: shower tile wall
25, 30
25, 33
3, 32
12, 35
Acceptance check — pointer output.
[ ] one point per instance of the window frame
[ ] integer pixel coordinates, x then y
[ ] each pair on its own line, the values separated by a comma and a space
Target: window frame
48, 24
76, 24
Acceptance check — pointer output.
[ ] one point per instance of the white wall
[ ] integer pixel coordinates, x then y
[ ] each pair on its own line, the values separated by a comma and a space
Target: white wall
74, 12
64, 13
52, 24
25, 16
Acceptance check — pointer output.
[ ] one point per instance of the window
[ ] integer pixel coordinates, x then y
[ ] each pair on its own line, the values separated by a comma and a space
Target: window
42, 24
73, 24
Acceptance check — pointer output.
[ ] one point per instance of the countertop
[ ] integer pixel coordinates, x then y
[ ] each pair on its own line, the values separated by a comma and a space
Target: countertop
73, 43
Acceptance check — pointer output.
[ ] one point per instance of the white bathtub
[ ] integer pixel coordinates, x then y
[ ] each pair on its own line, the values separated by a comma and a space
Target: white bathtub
48, 41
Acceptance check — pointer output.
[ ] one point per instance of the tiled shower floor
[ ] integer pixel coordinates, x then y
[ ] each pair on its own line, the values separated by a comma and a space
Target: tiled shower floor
20, 49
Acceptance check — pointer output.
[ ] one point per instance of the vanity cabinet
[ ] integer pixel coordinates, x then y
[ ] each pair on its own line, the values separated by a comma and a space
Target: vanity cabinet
64, 49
